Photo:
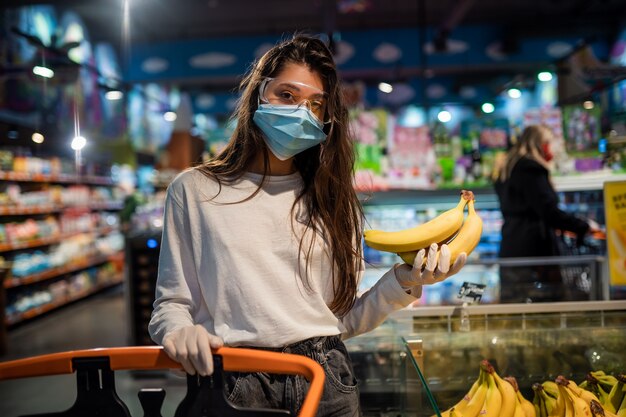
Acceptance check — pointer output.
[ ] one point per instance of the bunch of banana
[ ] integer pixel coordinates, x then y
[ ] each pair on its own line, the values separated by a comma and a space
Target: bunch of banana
607, 388
570, 401
450, 227
544, 400
491, 396
523, 408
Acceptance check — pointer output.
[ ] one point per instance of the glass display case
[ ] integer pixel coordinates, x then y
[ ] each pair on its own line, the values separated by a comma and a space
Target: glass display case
583, 267
435, 352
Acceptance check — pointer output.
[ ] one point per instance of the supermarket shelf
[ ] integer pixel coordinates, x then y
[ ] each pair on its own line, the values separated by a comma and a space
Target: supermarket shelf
45, 209
62, 178
16, 318
586, 182
55, 272
7, 247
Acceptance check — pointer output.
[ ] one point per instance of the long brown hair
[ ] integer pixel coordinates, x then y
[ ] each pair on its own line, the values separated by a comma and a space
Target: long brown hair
327, 169
527, 145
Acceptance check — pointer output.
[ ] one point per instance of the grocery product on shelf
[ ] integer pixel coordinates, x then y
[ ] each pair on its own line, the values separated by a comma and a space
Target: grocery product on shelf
59, 233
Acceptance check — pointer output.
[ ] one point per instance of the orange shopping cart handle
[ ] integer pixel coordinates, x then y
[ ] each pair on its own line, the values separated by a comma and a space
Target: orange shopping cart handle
154, 357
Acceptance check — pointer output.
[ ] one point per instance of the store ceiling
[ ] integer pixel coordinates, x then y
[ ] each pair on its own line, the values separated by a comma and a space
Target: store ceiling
175, 20
166, 21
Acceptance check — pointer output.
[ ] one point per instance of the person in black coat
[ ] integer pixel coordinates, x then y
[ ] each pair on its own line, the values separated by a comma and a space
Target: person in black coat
529, 206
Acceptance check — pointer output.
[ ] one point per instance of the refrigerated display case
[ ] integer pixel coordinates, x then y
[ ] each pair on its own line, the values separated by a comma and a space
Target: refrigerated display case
583, 267
441, 349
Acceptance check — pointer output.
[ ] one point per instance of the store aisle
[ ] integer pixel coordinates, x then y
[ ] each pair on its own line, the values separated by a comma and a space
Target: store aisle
99, 321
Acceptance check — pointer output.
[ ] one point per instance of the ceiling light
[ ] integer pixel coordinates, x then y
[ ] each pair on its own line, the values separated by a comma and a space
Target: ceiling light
588, 105
78, 143
444, 116
488, 108
113, 95
385, 87
37, 137
43, 71
514, 93
544, 76
169, 116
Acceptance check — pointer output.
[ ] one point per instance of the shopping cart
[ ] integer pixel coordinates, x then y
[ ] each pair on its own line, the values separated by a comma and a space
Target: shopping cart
576, 276
96, 395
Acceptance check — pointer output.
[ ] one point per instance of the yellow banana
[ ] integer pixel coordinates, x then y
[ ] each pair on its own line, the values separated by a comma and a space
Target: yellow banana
551, 388
465, 241
526, 406
588, 396
617, 394
471, 402
436, 230
564, 396
538, 402
560, 408
509, 398
519, 411
475, 403
549, 401
493, 400
455, 413
597, 411
621, 412
581, 408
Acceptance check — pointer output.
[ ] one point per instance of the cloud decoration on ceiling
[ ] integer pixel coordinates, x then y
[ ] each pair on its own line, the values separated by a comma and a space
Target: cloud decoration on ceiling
495, 52
205, 101
212, 60
387, 53
154, 65
453, 46
468, 92
558, 49
262, 49
435, 91
401, 94
343, 52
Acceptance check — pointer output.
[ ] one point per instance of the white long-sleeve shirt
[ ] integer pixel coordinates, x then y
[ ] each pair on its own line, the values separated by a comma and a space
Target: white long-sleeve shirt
233, 268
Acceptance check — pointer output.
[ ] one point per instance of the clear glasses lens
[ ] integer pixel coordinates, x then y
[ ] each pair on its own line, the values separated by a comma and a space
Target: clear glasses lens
292, 93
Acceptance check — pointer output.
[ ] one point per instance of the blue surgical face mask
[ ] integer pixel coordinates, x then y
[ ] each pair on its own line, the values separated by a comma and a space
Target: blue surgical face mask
288, 129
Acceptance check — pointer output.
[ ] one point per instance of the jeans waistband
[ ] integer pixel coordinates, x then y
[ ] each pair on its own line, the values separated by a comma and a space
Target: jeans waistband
303, 347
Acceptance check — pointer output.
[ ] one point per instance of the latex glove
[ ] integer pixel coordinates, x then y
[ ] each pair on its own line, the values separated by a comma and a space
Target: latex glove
191, 347
434, 271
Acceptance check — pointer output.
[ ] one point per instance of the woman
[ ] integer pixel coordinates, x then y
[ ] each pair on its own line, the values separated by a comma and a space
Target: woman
262, 244
531, 214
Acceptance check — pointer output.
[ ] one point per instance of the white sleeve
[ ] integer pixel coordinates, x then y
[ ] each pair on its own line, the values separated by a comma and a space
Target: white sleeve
373, 306
177, 290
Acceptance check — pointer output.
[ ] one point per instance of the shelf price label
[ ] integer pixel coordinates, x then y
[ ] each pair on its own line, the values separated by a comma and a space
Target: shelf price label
471, 292
615, 211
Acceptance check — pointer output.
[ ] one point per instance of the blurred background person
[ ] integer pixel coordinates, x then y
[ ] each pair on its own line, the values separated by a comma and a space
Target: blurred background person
531, 215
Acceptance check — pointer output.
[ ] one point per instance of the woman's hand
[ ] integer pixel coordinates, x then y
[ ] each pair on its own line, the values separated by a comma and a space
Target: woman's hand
191, 347
434, 271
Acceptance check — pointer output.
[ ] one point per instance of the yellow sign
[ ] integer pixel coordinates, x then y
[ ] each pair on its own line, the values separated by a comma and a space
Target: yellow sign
615, 207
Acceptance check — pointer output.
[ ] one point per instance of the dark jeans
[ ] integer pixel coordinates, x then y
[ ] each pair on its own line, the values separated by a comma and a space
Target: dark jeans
261, 390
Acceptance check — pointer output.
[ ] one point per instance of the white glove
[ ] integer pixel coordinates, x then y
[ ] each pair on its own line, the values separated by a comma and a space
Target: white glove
191, 347
415, 277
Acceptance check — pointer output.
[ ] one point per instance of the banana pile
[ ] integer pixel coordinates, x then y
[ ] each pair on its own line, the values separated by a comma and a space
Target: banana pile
459, 233
492, 396
564, 398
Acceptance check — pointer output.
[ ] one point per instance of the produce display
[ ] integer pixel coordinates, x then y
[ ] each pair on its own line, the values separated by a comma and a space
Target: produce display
599, 395
460, 233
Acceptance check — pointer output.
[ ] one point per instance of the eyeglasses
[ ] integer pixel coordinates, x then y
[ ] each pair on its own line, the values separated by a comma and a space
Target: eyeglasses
293, 93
